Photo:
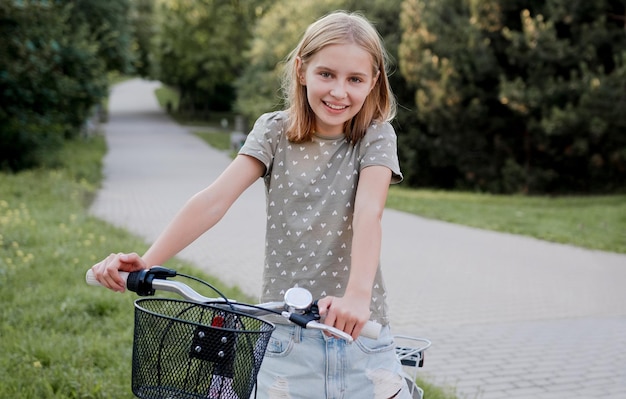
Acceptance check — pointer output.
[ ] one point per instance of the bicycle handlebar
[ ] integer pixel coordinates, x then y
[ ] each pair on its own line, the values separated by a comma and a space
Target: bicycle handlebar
146, 282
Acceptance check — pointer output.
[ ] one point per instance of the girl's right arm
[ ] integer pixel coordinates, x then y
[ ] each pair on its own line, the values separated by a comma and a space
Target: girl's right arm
199, 214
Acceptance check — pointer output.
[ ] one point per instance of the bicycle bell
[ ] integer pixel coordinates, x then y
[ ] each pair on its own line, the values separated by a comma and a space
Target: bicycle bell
298, 299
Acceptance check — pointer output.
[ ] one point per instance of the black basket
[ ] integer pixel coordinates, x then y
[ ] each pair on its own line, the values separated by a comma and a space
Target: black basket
185, 350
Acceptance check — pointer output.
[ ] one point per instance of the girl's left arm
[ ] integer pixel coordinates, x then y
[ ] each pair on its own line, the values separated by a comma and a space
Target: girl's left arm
352, 311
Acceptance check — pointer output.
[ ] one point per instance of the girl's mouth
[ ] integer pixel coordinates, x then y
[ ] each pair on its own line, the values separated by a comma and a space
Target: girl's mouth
335, 107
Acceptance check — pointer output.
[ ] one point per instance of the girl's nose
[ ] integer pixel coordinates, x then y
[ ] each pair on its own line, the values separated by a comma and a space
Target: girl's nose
338, 92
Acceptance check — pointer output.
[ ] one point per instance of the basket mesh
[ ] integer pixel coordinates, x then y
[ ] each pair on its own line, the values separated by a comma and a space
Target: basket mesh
185, 350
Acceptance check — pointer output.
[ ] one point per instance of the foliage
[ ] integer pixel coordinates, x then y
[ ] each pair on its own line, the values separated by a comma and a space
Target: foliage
49, 80
107, 23
53, 61
143, 20
200, 49
516, 96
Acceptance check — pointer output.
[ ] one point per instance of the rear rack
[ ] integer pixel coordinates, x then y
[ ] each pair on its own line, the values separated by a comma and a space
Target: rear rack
410, 352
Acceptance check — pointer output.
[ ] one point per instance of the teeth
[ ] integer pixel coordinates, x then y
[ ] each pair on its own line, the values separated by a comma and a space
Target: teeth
336, 106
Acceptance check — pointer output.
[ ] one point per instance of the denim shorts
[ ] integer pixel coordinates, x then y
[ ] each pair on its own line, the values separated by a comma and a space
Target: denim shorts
306, 364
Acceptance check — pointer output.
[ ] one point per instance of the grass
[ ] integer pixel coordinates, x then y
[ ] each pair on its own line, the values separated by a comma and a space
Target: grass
594, 222
166, 95
60, 337
436, 392
216, 139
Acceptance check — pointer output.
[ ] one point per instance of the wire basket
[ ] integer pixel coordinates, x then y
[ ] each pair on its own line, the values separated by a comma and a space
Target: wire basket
183, 350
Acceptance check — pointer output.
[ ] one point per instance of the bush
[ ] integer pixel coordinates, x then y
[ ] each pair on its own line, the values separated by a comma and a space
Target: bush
51, 77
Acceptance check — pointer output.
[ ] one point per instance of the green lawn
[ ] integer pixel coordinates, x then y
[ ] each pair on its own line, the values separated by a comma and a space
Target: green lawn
595, 222
59, 337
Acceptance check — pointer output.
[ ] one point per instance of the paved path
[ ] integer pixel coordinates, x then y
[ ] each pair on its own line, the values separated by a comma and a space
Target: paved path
509, 317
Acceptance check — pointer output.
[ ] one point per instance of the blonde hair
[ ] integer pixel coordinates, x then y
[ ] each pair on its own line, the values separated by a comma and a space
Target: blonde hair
338, 27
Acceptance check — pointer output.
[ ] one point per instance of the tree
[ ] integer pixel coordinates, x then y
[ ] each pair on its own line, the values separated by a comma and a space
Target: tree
54, 56
50, 78
144, 28
200, 49
107, 22
569, 79
511, 95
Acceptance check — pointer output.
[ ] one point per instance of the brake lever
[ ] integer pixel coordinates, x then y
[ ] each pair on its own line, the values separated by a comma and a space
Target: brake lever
310, 319
316, 325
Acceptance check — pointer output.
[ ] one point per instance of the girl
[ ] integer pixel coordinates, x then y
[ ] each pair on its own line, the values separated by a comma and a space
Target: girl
327, 162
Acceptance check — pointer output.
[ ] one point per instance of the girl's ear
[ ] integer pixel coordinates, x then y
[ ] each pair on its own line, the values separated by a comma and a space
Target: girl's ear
300, 72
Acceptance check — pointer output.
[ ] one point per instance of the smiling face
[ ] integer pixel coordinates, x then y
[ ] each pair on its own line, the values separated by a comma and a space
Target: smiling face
338, 79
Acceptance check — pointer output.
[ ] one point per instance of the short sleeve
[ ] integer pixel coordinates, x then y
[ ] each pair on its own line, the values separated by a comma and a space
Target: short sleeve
379, 147
264, 137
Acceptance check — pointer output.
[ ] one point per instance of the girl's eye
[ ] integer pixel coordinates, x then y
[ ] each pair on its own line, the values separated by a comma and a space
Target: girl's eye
355, 80
325, 74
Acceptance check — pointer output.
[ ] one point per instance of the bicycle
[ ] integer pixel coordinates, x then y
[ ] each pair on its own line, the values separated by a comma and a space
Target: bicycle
212, 348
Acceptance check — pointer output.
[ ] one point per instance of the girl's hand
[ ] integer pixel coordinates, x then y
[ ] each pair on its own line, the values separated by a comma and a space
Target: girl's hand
106, 271
348, 314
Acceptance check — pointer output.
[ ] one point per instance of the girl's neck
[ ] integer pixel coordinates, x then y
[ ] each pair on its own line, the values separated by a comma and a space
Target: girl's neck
328, 136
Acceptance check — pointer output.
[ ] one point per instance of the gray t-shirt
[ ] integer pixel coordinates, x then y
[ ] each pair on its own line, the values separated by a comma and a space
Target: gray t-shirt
310, 190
